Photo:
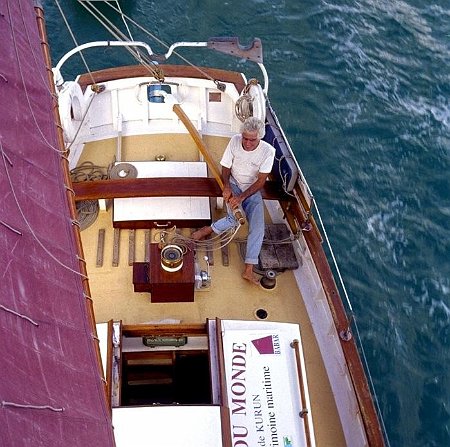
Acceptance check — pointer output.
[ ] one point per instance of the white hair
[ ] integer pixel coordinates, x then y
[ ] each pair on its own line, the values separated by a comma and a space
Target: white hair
253, 124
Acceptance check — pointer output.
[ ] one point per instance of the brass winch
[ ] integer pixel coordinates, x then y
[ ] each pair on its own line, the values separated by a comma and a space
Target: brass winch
171, 258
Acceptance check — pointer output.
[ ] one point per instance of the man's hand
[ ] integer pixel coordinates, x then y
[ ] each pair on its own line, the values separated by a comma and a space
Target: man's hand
235, 201
229, 198
226, 193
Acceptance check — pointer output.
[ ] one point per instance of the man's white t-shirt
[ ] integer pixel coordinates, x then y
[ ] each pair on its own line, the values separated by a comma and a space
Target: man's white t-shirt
246, 165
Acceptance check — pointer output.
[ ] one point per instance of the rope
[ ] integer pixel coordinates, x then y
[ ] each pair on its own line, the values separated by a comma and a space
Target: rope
33, 407
243, 110
244, 105
82, 120
87, 171
33, 234
87, 212
93, 87
283, 177
22, 77
36, 60
27, 95
216, 242
285, 241
10, 228
6, 309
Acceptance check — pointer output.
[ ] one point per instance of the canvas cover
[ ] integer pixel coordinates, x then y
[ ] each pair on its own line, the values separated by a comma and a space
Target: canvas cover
51, 389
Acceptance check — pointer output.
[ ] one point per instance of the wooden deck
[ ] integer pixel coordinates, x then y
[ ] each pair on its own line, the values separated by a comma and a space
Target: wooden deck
229, 297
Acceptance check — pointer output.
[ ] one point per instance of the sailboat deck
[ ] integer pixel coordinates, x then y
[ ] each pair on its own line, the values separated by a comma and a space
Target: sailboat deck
228, 297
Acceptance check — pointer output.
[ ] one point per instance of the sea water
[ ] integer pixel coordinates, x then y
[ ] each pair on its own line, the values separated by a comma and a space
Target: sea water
362, 88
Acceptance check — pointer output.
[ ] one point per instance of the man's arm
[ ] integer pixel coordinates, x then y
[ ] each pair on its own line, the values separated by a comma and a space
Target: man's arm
226, 174
256, 186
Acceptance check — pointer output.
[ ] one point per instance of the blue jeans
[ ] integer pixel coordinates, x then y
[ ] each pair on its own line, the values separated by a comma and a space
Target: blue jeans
254, 212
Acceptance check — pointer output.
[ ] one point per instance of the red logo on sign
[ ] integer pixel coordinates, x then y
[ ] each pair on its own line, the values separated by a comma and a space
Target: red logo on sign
264, 345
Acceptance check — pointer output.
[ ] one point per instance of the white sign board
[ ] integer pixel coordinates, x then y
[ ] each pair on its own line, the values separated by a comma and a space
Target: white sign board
262, 384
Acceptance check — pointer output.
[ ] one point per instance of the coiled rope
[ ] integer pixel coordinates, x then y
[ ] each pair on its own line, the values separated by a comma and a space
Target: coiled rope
87, 210
244, 105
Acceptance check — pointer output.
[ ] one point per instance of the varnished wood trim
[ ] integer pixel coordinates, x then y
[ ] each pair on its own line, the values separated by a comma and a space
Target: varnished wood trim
353, 359
226, 425
134, 71
141, 330
120, 362
225, 410
109, 361
163, 187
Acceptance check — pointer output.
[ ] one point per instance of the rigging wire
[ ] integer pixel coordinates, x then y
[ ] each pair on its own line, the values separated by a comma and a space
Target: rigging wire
74, 39
372, 386
67, 149
333, 258
119, 35
5, 158
124, 20
358, 335
162, 43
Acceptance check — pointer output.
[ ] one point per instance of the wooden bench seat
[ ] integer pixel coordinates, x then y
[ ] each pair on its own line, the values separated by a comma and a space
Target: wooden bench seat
162, 187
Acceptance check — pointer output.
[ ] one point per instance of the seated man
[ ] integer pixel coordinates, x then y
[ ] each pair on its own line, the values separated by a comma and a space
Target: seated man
246, 163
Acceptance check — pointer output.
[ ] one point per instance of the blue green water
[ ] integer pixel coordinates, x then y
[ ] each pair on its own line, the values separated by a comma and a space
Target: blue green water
362, 88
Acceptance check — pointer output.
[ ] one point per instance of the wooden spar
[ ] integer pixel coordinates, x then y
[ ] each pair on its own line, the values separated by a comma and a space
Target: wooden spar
199, 142
238, 214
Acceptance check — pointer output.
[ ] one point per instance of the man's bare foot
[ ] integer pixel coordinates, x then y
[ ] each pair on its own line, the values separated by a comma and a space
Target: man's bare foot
202, 233
251, 278
248, 275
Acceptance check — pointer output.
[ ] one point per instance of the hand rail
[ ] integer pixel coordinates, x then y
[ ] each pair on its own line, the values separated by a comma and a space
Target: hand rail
58, 79
102, 43
304, 412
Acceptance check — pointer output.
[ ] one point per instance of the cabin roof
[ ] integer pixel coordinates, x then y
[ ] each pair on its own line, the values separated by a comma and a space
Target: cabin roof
51, 388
